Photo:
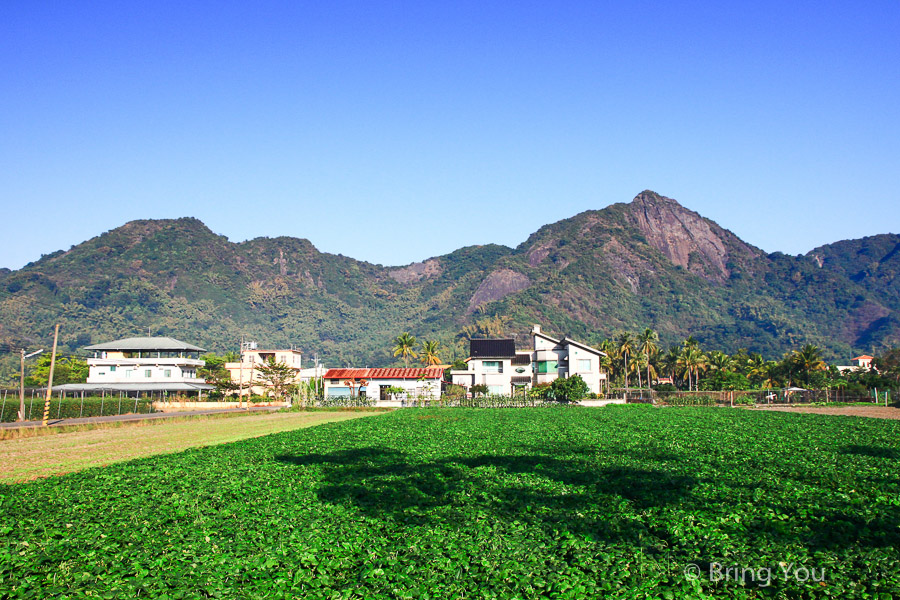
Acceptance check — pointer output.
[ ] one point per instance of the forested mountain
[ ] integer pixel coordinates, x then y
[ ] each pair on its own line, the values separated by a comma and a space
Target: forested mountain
650, 262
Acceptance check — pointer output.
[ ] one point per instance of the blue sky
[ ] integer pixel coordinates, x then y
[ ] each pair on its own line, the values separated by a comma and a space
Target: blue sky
396, 131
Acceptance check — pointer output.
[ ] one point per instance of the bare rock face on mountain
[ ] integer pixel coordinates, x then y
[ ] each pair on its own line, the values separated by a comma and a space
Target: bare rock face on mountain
497, 285
416, 271
684, 237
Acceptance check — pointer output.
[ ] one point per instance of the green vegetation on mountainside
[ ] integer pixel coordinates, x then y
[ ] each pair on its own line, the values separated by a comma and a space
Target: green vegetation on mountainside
650, 263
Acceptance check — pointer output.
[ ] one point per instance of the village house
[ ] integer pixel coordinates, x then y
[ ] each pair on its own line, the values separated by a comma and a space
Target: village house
143, 364
861, 363
245, 373
497, 364
416, 382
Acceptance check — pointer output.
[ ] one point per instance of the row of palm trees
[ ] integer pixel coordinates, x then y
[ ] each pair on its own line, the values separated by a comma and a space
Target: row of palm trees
405, 347
640, 355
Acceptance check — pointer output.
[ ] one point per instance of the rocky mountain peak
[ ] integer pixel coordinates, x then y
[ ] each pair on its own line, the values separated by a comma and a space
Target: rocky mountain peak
683, 236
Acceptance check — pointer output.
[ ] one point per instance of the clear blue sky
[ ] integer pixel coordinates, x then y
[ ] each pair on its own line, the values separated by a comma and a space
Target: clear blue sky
396, 131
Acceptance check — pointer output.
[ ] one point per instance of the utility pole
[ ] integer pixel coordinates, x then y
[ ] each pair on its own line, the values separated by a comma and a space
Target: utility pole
22, 388
50, 379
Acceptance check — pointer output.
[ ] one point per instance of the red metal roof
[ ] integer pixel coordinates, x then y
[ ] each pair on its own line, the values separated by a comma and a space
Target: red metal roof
863, 357
389, 373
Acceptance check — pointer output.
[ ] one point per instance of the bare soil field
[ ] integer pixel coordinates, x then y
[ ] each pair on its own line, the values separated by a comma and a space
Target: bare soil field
875, 412
28, 458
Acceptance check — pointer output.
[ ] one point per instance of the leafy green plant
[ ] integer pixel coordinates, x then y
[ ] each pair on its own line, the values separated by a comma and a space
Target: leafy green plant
557, 502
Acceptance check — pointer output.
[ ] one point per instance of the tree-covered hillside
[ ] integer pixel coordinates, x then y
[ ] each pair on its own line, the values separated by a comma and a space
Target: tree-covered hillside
648, 263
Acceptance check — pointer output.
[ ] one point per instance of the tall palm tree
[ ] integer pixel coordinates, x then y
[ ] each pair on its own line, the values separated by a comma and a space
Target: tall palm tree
404, 346
637, 362
692, 360
647, 344
624, 346
606, 367
429, 353
809, 359
670, 360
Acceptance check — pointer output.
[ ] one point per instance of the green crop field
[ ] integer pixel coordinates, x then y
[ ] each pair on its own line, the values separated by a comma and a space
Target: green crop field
466, 503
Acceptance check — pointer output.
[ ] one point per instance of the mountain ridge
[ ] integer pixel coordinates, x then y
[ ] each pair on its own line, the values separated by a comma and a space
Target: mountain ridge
650, 262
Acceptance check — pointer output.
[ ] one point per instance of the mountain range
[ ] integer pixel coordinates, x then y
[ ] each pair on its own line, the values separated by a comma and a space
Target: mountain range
647, 263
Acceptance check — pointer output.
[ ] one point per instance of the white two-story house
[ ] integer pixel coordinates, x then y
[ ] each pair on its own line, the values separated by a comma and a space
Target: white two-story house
504, 370
496, 364
143, 364
565, 357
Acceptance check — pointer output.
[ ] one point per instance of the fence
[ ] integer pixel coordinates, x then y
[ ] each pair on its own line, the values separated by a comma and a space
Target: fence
73, 405
752, 397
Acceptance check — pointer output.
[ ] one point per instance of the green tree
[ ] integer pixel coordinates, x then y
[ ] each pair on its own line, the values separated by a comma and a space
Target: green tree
404, 346
670, 361
720, 362
692, 360
624, 347
429, 353
569, 389
808, 359
68, 369
277, 377
479, 389
889, 364
647, 345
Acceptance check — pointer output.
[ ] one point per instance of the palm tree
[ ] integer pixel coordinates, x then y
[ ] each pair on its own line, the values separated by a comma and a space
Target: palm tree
404, 346
608, 348
624, 345
692, 360
637, 362
670, 360
719, 361
758, 368
429, 353
605, 367
809, 359
647, 344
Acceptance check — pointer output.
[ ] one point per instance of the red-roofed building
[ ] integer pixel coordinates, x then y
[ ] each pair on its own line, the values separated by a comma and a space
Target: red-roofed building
862, 362
417, 382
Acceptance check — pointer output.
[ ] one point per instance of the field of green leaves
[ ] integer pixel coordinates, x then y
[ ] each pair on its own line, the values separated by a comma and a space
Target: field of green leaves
625, 501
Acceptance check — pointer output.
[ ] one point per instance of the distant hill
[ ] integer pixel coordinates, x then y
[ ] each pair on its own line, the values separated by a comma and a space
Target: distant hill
650, 262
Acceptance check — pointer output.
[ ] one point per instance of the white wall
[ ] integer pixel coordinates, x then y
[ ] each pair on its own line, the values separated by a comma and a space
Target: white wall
133, 370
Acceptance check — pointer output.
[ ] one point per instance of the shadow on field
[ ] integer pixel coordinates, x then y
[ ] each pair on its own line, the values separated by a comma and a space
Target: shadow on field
876, 451
570, 495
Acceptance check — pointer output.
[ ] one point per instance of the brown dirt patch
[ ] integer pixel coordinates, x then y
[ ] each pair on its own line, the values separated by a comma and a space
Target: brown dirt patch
875, 412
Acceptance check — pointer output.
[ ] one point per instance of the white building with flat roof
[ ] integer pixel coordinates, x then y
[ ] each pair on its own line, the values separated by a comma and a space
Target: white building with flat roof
143, 364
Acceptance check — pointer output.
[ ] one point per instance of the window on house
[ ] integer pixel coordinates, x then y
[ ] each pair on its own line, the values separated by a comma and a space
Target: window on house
167, 372
492, 366
584, 365
128, 374
148, 372
112, 369
547, 366
495, 390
